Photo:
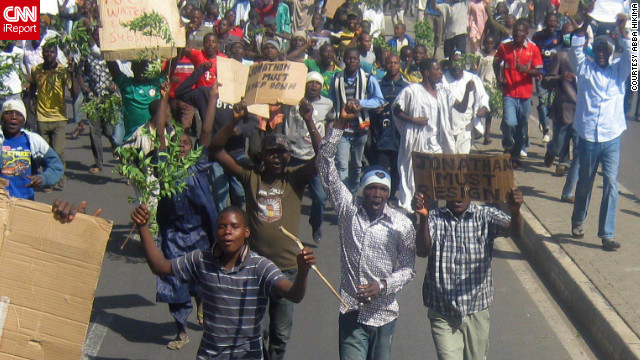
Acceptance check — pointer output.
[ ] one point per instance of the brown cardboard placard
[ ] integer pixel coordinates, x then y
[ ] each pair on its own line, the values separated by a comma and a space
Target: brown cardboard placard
232, 76
48, 275
569, 6
276, 82
332, 6
119, 43
458, 177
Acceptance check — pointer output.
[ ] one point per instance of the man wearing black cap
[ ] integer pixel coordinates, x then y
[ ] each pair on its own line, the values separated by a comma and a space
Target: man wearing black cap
273, 199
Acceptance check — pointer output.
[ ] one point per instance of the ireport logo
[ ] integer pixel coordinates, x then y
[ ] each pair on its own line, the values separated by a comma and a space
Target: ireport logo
20, 20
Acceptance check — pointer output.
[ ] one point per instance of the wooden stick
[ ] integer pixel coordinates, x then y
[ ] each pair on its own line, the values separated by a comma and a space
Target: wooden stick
314, 267
128, 237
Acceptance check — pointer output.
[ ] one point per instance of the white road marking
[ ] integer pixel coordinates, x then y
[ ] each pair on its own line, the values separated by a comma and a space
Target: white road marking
96, 335
566, 333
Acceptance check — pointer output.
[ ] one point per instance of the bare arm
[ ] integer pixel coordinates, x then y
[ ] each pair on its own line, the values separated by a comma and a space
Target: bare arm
160, 119
210, 116
461, 106
423, 237
294, 291
219, 141
514, 201
400, 114
306, 111
158, 264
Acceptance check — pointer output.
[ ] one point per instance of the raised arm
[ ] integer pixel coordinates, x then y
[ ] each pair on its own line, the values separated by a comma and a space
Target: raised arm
514, 201
158, 264
187, 85
309, 170
216, 149
160, 118
423, 237
461, 106
210, 116
294, 291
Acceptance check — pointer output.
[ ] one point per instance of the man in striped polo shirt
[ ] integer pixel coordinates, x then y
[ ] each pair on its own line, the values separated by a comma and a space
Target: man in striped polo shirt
236, 284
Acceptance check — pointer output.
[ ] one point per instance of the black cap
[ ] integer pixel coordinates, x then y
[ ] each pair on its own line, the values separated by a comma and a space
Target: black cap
275, 141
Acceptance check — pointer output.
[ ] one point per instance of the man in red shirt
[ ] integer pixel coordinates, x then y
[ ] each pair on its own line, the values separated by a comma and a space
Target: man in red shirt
516, 64
209, 53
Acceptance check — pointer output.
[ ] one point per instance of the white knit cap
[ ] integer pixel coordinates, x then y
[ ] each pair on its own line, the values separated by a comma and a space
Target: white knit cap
14, 104
375, 176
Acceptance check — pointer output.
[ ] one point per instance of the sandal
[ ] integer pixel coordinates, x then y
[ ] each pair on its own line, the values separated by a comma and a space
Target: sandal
200, 317
177, 344
79, 130
95, 170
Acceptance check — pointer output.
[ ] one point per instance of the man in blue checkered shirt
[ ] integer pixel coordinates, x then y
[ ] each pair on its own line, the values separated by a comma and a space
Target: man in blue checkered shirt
458, 287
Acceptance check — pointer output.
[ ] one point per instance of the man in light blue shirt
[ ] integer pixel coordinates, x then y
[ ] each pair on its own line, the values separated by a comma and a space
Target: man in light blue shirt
354, 85
599, 122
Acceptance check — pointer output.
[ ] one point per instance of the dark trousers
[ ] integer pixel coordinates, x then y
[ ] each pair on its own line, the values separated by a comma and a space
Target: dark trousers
458, 42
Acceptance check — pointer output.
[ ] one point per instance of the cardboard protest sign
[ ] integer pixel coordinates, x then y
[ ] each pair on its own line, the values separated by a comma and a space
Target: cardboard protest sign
232, 76
332, 6
607, 10
276, 82
569, 6
48, 277
458, 177
119, 43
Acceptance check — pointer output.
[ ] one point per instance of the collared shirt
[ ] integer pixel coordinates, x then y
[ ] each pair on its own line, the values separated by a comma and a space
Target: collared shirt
519, 85
234, 300
600, 97
382, 249
458, 281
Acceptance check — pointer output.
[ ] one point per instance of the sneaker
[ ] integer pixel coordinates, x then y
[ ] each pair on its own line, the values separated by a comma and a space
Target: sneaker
523, 153
548, 159
546, 139
48, 190
578, 232
317, 235
569, 199
610, 244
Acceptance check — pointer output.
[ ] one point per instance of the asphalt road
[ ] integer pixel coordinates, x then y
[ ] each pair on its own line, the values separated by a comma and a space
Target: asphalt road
128, 324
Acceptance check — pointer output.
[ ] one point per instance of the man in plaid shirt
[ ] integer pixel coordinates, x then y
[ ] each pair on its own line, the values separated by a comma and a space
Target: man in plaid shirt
458, 286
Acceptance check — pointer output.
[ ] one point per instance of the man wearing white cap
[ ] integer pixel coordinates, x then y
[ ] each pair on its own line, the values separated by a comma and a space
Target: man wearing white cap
319, 108
377, 252
23, 153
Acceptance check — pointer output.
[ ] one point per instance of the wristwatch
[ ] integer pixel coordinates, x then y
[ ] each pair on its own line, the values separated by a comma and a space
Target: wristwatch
382, 286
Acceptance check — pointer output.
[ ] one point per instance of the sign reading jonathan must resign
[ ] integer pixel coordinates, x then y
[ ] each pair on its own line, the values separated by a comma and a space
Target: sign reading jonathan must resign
458, 177
276, 82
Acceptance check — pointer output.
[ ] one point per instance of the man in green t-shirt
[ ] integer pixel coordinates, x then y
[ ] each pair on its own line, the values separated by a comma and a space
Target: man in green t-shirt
137, 93
274, 198
326, 66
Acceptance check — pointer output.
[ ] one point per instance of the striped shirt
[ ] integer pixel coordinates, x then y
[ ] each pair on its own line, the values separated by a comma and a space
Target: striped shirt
234, 301
458, 281
382, 249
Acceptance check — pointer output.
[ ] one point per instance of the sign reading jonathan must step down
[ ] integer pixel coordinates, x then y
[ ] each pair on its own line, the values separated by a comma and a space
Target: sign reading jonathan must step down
48, 277
457, 177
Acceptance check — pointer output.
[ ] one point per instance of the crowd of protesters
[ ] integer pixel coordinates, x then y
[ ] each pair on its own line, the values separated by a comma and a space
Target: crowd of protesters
373, 96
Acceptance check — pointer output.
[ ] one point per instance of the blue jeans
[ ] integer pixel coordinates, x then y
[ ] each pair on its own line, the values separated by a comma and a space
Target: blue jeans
559, 146
514, 123
360, 342
544, 97
590, 155
224, 184
349, 158
318, 197
277, 323
574, 170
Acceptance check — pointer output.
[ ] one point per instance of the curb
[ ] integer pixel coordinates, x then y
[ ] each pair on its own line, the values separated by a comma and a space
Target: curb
607, 332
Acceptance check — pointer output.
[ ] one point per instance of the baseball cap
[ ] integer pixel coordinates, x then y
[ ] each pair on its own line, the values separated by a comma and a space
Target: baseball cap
275, 141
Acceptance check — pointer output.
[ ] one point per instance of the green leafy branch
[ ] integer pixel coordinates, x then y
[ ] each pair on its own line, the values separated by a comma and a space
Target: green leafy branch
151, 24
379, 42
495, 99
105, 108
9, 64
77, 42
157, 179
424, 34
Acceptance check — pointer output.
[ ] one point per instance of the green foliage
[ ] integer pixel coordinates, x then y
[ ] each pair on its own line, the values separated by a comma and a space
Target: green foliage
371, 4
155, 25
151, 24
9, 64
424, 34
379, 42
495, 99
169, 173
467, 61
105, 108
77, 42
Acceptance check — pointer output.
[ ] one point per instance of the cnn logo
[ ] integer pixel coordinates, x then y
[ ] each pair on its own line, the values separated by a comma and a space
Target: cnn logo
20, 20
15, 14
